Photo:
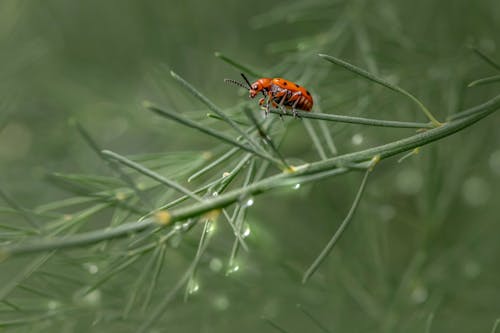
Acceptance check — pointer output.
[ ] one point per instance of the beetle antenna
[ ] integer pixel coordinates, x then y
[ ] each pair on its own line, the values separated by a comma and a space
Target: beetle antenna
239, 84
246, 80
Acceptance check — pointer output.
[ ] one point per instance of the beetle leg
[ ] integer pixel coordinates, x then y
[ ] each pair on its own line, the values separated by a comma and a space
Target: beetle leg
296, 96
268, 102
283, 95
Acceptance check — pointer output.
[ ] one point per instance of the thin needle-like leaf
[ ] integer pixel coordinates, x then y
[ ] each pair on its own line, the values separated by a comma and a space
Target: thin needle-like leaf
214, 116
238, 65
328, 138
340, 231
204, 238
315, 139
145, 171
376, 79
17, 207
313, 319
274, 325
23, 274
486, 80
116, 168
486, 58
214, 108
495, 326
156, 273
213, 164
122, 264
428, 323
263, 135
209, 131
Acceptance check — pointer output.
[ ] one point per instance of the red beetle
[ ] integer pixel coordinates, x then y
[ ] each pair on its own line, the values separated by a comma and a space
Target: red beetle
278, 92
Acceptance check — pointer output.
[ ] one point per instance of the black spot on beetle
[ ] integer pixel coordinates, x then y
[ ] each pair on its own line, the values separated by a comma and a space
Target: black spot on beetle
296, 85
284, 83
308, 94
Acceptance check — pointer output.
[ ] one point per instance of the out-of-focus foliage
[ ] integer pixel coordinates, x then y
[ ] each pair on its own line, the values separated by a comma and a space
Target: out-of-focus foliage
423, 248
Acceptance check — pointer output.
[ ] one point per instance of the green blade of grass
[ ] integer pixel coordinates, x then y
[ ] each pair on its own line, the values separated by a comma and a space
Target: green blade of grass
237, 65
376, 79
209, 131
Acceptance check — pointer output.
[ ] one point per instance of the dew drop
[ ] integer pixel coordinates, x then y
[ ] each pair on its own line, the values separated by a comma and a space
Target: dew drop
193, 287
215, 264
357, 139
86, 298
249, 202
175, 240
221, 303
215, 194
52, 305
91, 267
296, 186
246, 232
210, 228
419, 294
233, 269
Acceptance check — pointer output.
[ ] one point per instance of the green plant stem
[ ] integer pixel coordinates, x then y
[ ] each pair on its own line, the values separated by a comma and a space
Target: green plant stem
354, 120
376, 79
305, 173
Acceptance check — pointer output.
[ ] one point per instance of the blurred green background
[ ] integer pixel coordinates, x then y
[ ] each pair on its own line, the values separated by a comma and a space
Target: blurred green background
423, 250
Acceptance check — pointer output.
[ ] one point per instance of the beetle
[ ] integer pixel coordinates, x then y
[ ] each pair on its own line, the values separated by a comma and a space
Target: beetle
278, 92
